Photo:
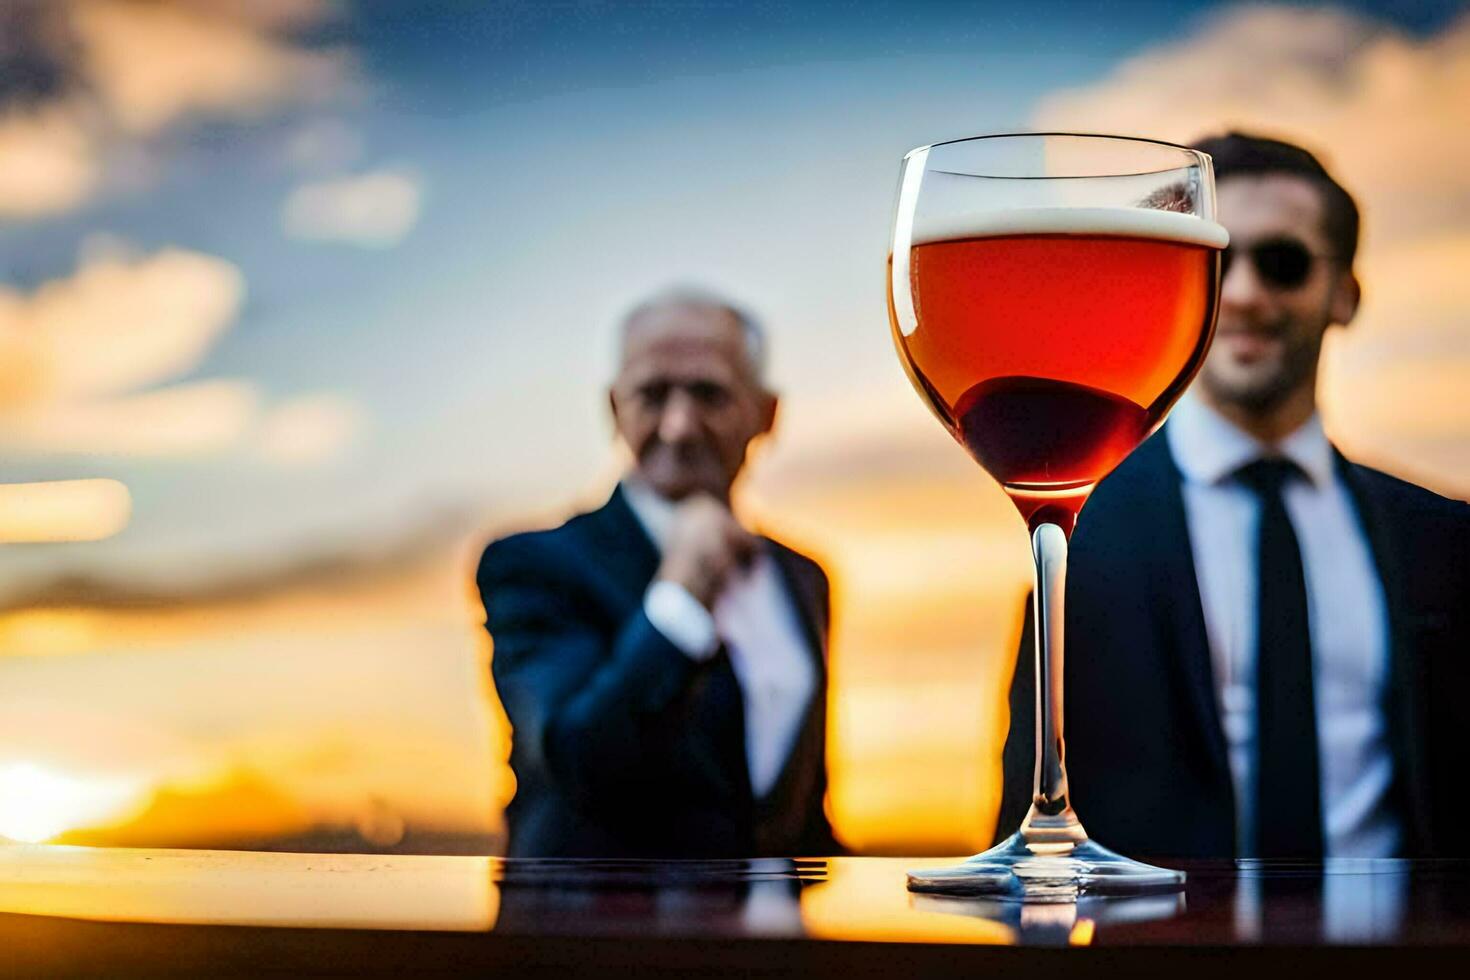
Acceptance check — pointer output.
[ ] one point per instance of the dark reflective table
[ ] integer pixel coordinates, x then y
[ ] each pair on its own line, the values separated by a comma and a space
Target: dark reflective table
151, 912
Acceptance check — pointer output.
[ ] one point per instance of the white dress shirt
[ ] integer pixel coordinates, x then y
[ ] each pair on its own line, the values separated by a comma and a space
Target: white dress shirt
1347, 619
762, 631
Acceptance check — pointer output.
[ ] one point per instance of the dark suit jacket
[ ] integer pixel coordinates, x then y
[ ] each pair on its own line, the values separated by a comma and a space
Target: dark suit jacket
1146, 755
618, 748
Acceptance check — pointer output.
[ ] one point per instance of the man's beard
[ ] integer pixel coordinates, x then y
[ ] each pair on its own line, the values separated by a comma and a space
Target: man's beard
1263, 387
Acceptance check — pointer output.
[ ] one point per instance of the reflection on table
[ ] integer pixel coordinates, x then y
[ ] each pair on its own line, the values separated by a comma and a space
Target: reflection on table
74, 907
249, 888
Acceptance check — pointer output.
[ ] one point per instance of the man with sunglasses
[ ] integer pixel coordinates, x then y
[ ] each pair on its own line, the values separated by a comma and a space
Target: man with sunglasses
1267, 643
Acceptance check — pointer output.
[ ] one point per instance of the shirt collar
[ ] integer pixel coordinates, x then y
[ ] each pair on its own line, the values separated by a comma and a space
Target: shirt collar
653, 512
1209, 448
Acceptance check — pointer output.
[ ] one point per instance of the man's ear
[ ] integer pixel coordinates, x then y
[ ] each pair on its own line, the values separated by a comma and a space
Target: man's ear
1343, 304
612, 414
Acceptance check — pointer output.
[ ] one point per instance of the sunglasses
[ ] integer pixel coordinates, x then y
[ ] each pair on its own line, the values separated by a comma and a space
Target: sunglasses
1282, 263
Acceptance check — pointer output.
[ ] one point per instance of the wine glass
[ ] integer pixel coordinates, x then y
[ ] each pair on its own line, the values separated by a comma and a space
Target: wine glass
1051, 296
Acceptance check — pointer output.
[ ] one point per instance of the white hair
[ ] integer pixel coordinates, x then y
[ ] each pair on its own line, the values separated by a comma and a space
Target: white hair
696, 296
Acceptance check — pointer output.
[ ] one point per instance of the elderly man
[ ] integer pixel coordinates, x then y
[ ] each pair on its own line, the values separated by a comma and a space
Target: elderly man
1267, 643
663, 667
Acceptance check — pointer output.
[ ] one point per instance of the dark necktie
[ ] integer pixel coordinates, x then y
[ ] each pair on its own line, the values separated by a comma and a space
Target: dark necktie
1288, 811
724, 713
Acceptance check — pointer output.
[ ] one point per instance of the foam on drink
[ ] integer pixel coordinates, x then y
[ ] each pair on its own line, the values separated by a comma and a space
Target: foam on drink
1169, 226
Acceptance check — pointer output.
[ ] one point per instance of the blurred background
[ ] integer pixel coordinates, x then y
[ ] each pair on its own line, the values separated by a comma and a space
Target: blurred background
301, 301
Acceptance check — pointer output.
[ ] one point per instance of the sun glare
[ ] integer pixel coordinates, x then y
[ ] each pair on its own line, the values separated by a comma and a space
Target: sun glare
38, 803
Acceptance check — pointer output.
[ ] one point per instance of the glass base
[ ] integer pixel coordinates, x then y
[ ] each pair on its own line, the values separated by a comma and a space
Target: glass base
1046, 872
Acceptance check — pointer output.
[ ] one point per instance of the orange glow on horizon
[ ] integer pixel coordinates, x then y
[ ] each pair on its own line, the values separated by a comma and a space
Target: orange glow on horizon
928, 576
47, 632
916, 711
344, 701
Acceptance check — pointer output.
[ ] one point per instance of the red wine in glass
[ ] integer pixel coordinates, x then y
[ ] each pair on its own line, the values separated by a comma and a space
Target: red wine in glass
1052, 341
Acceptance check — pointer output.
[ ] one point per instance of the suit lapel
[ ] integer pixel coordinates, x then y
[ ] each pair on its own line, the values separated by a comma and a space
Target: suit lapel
1161, 500
623, 547
1405, 696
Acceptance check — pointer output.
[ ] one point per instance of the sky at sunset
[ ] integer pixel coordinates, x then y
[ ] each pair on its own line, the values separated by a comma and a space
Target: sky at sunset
318, 295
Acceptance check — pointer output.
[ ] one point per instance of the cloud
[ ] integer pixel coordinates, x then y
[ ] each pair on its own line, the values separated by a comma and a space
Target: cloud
47, 162
115, 325
184, 419
89, 362
153, 63
308, 429
63, 510
1388, 113
373, 210
93, 77
276, 14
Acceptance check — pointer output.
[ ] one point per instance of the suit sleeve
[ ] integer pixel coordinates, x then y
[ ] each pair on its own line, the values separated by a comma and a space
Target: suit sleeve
584, 708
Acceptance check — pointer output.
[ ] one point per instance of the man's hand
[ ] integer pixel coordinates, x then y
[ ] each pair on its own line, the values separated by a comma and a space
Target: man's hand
706, 547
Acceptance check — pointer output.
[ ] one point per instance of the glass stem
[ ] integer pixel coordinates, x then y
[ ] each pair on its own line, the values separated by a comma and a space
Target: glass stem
1050, 820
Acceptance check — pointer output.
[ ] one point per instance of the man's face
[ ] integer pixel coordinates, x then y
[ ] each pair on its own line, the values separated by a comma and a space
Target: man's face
686, 401
1270, 335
